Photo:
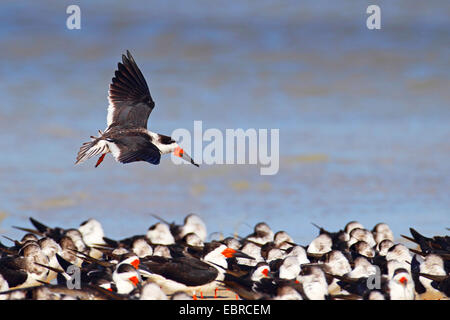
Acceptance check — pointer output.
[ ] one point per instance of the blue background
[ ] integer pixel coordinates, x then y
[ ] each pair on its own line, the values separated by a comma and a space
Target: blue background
363, 115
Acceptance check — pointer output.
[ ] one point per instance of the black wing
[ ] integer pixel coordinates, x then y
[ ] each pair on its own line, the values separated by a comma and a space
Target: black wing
130, 102
13, 270
136, 147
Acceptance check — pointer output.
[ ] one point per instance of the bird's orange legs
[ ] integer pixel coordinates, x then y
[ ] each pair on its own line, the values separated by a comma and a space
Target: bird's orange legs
100, 160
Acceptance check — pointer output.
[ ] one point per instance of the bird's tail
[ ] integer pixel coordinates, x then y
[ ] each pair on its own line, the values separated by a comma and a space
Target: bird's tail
92, 148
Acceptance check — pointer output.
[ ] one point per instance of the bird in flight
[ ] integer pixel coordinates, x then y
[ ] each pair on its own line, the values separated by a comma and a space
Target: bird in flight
126, 136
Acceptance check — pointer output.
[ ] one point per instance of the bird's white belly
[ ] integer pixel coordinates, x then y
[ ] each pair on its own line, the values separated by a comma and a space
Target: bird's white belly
115, 151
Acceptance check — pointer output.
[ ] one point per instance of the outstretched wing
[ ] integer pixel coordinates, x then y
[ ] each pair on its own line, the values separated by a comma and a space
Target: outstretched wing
135, 147
130, 102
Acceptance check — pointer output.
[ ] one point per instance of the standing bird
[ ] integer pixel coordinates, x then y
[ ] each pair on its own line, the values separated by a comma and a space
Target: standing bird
126, 136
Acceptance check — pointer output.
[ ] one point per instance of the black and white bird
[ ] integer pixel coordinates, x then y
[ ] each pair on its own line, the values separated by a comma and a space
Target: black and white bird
23, 270
190, 274
126, 136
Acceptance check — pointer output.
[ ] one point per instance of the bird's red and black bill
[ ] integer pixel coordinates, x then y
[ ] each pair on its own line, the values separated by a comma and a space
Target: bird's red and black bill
180, 153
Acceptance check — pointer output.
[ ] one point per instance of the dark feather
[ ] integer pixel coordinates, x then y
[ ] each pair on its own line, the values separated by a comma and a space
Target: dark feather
188, 271
130, 96
137, 147
13, 270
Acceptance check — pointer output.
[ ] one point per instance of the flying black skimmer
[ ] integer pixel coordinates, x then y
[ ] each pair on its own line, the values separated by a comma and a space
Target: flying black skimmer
126, 136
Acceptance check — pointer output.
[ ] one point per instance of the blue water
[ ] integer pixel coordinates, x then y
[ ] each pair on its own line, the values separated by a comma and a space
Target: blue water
363, 115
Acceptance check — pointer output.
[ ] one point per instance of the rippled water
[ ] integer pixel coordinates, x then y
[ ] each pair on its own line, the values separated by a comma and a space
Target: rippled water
363, 115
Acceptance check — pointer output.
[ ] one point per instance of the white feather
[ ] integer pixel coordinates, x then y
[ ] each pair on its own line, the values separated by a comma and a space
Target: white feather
115, 151
99, 148
163, 148
111, 109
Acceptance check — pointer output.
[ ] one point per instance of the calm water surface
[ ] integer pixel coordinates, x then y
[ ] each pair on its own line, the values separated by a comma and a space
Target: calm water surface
363, 115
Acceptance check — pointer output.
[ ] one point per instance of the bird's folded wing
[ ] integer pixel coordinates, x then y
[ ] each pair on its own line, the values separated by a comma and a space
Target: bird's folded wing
136, 148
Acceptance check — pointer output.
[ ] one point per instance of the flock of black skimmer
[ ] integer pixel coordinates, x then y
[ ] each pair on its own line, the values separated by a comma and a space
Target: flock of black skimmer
173, 261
